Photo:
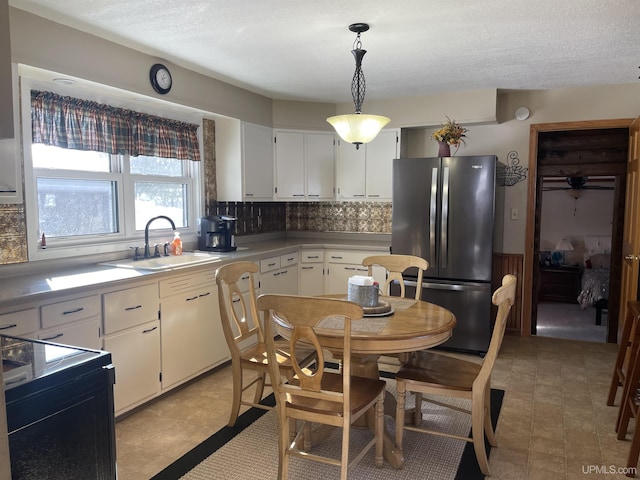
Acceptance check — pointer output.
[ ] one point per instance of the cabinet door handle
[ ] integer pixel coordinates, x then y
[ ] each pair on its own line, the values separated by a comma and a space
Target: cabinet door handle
204, 294
284, 272
349, 268
235, 301
374, 195
298, 194
360, 195
276, 274
69, 312
192, 298
248, 194
52, 338
307, 268
133, 308
149, 330
270, 264
336, 257
7, 327
313, 256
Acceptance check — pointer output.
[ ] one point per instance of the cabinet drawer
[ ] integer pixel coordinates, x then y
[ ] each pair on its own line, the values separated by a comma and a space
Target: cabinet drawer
312, 256
69, 311
19, 323
336, 256
127, 308
84, 334
289, 259
183, 283
269, 264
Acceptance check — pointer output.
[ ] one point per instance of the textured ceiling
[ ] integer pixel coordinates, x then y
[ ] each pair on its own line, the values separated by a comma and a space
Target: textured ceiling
300, 50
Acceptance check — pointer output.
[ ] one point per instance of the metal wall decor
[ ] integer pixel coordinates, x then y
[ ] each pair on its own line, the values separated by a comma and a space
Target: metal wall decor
514, 172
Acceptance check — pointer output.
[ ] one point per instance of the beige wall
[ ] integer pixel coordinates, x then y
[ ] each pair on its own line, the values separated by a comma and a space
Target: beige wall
41, 43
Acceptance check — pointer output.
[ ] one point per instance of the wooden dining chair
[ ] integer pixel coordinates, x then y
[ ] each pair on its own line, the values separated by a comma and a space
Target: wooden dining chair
320, 397
628, 345
440, 375
244, 334
395, 266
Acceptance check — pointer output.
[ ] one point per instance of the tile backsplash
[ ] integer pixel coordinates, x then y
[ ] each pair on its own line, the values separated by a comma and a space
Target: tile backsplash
13, 234
263, 217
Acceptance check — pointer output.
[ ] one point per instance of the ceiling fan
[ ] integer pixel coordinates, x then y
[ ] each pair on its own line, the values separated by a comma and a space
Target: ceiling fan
578, 183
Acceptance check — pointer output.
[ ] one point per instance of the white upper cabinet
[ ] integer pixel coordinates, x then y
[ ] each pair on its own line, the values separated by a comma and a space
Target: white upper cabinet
289, 155
244, 161
321, 154
366, 173
257, 162
6, 80
304, 165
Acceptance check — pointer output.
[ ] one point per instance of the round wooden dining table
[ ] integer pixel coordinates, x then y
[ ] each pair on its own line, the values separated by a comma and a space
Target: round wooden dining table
410, 326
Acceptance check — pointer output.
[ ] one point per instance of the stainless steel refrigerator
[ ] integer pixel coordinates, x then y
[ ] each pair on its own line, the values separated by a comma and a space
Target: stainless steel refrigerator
444, 211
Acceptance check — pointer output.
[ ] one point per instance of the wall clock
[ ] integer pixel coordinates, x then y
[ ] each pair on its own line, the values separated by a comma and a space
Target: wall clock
160, 78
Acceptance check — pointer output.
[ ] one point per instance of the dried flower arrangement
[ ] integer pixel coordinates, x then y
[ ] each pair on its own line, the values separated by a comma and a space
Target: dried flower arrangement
451, 132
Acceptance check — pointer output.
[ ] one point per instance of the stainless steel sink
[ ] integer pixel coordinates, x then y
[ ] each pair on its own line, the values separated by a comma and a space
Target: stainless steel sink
164, 263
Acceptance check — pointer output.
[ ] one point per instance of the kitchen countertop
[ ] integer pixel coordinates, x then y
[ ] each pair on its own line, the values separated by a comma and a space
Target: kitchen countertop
65, 279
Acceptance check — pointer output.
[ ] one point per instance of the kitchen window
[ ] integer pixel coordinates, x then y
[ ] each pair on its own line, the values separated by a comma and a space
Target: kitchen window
91, 201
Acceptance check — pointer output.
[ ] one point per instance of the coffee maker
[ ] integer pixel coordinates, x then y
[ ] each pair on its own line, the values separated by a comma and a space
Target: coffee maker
215, 233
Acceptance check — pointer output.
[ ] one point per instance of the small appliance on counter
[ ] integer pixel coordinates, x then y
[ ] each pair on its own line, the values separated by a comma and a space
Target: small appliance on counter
216, 233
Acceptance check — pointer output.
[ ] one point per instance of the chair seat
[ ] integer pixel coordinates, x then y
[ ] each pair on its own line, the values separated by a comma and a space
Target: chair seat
363, 391
439, 371
257, 354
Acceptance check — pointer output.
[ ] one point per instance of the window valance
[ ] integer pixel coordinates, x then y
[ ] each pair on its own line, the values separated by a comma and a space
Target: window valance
69, 122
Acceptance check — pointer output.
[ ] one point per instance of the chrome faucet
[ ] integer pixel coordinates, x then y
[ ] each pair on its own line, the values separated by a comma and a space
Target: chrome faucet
147, 253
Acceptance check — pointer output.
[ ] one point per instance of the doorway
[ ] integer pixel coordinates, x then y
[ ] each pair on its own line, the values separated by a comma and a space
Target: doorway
574, 149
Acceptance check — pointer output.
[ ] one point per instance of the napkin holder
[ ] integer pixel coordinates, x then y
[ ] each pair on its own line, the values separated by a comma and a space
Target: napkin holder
363, 291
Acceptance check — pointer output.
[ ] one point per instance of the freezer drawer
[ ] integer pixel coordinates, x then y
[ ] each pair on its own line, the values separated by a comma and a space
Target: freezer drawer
470, 303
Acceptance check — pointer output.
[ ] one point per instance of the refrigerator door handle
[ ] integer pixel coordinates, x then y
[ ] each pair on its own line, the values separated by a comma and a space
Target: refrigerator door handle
444, 248
446, 286
433, 213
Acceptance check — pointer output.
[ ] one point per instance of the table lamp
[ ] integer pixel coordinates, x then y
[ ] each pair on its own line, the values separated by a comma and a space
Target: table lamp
564, 245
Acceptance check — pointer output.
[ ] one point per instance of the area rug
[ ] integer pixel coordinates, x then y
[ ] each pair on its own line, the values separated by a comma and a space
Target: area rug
248, 451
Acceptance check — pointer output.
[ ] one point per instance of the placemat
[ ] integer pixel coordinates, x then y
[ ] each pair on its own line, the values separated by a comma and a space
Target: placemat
365, 325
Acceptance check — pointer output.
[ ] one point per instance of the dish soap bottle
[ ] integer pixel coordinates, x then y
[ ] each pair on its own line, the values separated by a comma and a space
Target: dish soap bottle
176, 244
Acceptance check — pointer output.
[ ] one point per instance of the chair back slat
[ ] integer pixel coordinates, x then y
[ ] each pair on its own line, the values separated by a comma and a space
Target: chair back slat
395, 265
239, 320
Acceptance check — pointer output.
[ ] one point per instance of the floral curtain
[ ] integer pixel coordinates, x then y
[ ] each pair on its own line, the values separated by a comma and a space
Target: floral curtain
69, 122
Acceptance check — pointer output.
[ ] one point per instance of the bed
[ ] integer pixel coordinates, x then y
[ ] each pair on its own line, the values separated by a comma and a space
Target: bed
595, 277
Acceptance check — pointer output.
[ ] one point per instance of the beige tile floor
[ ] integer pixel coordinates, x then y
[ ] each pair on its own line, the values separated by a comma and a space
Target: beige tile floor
554, 422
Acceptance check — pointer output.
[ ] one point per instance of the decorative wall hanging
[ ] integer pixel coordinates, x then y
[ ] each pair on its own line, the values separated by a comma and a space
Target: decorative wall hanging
514, 172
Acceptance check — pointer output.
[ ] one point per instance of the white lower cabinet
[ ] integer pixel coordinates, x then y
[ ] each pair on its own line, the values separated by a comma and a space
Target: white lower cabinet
192, 340
20, 323
280, 274
81, 334
132, 336
312, 273
344, 264
75, 322
135, 354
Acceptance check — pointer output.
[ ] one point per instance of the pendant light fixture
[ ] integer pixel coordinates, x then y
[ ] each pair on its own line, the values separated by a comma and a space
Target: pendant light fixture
358, 128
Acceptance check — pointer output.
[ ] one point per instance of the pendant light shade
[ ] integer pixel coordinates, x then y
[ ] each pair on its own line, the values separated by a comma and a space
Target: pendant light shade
358, 128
